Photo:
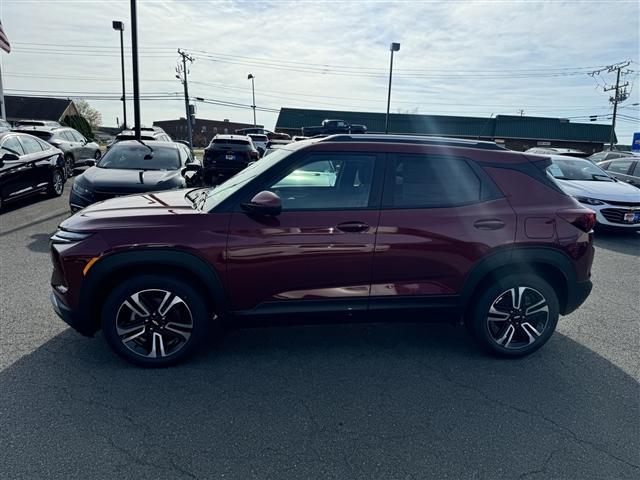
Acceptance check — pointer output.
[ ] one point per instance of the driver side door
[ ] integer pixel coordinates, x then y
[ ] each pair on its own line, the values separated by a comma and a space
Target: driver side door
317, 254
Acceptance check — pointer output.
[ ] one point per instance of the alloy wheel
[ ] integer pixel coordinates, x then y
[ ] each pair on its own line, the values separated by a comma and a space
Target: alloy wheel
154, 323
518, 317
68, 167
58, 183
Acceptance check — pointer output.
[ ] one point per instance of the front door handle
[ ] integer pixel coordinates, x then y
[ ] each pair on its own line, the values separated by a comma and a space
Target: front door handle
352, 227
489, 224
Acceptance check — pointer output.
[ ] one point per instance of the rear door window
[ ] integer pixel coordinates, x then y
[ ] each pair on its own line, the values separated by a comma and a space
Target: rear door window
66, 135
620, 166
430, 181
12, 145
31, 145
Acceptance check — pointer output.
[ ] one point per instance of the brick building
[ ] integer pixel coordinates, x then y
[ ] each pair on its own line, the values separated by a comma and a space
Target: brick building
203, 130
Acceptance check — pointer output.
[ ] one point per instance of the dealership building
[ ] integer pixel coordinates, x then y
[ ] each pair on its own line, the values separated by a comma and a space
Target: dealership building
513, 131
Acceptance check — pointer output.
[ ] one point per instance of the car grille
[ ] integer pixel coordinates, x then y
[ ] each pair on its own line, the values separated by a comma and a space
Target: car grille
624, 204
616, 215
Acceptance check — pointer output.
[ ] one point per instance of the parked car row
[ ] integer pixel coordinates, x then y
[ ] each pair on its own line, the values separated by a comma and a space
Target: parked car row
76, 149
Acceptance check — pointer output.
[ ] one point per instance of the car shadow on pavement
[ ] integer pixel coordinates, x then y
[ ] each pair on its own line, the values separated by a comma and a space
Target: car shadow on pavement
624, 242
24, 202
39, 242
348, 401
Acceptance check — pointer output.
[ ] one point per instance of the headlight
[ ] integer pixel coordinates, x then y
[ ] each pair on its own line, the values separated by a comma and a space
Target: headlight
589, 201
79, 189
63, 236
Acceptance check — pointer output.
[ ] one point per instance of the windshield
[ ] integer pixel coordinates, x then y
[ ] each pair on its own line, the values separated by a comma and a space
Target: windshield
132, 157
577, 169
218, 194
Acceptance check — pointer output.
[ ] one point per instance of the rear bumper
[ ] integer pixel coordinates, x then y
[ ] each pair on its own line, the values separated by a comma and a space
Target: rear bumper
576, 295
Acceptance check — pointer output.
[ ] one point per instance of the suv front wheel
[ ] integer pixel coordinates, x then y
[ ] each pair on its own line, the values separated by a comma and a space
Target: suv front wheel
154, 321
514, 316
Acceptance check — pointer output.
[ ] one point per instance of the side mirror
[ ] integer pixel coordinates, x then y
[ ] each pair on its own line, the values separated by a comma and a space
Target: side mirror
10, 157
264, 203
192, 167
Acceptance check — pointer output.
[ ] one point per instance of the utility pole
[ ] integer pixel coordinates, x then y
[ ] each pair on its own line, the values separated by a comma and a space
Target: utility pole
136, 79
620, 92
521, 112
182, 74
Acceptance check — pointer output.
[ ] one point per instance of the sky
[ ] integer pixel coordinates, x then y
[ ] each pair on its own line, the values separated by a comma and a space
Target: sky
469, 58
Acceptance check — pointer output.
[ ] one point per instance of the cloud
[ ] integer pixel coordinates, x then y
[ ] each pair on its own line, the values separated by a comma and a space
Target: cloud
450, 39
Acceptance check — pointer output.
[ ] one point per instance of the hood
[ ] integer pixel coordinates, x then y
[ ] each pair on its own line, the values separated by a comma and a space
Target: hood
113, 180
149, 208
613, 191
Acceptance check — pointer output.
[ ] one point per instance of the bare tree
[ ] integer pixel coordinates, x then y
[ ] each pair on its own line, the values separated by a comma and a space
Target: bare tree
93, 116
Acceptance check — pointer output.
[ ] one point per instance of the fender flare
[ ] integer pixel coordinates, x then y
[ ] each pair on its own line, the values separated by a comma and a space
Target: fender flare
205, 275
518, 257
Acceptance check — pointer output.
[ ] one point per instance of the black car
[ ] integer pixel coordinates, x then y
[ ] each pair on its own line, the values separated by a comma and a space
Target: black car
77, 150
626, 169
132, 167
226, 155
29, 166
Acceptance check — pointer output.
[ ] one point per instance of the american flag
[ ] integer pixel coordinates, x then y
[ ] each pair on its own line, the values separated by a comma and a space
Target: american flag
4, 41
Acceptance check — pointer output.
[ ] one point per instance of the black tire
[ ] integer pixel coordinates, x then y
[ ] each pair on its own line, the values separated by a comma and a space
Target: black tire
56, 187
119, 321
68, 165
501, 328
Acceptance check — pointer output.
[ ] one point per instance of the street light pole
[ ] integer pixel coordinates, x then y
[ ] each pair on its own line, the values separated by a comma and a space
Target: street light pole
394, 48
253, 92
136, 80
117, 25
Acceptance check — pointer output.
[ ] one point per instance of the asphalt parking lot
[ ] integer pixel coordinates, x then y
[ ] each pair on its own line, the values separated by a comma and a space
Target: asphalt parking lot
345, 402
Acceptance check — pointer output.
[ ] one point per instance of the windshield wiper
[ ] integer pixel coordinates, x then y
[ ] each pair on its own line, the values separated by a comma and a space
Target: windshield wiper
149, 155
601, 175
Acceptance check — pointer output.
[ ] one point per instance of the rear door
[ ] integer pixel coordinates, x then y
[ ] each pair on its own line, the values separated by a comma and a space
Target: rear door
440, 214
38, 173
622, 169
13, 173
317, 254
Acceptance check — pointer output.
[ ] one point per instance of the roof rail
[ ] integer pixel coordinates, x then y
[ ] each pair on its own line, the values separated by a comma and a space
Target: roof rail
417, 139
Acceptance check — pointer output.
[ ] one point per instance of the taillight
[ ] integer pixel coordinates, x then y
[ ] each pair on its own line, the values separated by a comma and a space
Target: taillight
581, 218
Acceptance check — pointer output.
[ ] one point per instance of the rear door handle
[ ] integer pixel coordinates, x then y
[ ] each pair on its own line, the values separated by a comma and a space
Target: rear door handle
489, 224
352, 227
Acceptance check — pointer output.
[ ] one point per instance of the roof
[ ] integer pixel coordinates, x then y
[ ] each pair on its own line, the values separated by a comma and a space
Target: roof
415, 139
224, 136
40, 108
501, 126
150, 143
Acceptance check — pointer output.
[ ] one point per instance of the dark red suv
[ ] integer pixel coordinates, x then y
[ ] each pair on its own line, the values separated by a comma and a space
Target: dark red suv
341, 228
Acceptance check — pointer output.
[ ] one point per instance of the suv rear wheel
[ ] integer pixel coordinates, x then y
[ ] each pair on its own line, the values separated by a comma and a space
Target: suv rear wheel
154, 321
514, 316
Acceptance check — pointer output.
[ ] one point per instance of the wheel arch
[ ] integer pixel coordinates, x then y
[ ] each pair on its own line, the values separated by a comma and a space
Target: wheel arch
115, 267
552, 265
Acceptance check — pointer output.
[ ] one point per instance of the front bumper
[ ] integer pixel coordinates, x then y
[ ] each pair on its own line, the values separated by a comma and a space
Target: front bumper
613, 216
68, 316
78, 202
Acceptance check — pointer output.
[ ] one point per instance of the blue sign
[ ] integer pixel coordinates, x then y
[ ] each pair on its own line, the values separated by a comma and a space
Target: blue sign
635, 146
